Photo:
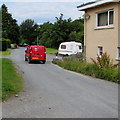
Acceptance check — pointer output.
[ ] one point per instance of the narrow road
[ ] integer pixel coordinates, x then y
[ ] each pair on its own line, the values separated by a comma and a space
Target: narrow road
52, 92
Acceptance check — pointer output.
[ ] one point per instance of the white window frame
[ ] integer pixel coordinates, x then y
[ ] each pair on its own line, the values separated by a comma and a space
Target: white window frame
118, 53
63, 47
99, 47
106, 26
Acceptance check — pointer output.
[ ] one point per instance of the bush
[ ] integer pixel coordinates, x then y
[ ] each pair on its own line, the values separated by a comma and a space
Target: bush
4, 44
108, 74
106, 69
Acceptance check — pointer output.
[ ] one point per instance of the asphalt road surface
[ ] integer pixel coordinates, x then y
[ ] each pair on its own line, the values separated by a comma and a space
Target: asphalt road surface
52, 92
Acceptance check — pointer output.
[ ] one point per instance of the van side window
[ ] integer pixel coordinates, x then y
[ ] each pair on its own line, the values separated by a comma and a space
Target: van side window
63, 46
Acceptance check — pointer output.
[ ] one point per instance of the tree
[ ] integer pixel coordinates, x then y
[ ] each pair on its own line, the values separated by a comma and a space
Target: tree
45, 34
62, 27
77, 36
29, 31
63, 30
77, 25
10, 28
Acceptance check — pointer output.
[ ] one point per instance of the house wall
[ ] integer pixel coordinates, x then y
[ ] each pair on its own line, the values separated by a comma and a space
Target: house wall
107, 38
119, 25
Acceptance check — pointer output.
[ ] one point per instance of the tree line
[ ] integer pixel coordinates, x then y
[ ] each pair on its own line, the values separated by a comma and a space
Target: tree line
47, 34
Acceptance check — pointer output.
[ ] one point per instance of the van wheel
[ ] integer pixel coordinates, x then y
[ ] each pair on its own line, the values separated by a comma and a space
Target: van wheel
25, 58
29, 60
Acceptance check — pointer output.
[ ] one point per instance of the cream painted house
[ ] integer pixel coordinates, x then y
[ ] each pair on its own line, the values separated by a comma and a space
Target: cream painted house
102, 28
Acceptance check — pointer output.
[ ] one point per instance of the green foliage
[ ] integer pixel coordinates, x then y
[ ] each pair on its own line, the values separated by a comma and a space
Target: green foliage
11, 80
107, 73
110, 74
76, 36
4, 44
29, 31
10, 29
63, 30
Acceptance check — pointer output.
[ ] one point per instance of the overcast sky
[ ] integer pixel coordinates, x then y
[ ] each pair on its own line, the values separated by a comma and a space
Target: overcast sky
45, 11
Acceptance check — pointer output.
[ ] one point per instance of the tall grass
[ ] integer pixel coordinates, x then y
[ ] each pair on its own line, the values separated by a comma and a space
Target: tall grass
11, 80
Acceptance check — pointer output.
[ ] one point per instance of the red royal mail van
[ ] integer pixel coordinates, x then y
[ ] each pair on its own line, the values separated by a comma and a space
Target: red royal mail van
35, 53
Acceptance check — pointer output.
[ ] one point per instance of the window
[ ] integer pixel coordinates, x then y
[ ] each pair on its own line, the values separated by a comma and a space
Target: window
105, 18
111, 13
63, 46
118, 52
100, 51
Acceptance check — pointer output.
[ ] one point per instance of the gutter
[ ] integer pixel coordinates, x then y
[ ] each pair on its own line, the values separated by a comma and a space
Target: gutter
97, 3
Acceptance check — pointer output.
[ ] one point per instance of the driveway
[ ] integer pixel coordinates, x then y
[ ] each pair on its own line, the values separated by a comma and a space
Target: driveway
52, 92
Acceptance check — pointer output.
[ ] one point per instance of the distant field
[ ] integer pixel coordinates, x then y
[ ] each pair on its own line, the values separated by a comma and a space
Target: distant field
11, 80
7, 52
51, 50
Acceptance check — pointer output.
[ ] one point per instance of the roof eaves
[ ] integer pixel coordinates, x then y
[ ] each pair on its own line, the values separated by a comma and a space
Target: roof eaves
84, 4
94, 4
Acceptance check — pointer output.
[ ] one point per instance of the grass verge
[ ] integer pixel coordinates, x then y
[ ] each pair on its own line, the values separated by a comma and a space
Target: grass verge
7, 52
110, 74
12, 82
51, 50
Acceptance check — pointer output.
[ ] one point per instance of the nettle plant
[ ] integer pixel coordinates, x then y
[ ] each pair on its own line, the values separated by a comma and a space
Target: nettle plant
104, 61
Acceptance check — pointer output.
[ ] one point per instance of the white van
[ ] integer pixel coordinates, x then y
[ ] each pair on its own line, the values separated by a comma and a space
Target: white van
70, 48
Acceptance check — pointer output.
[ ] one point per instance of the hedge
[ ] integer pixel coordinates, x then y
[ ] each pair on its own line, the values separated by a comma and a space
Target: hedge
4, 44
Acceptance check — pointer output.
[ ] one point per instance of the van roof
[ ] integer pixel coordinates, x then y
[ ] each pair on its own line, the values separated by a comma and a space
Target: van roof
36, 46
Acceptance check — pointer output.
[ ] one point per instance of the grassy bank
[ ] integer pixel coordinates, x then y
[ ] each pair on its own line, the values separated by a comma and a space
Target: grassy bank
51, 50
11, 80
7, 52
110, 74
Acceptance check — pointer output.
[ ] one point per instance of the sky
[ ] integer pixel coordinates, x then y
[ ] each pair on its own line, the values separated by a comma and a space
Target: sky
41, 12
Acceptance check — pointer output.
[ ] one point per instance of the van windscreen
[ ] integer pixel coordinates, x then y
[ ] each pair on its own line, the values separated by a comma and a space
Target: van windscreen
36, 49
